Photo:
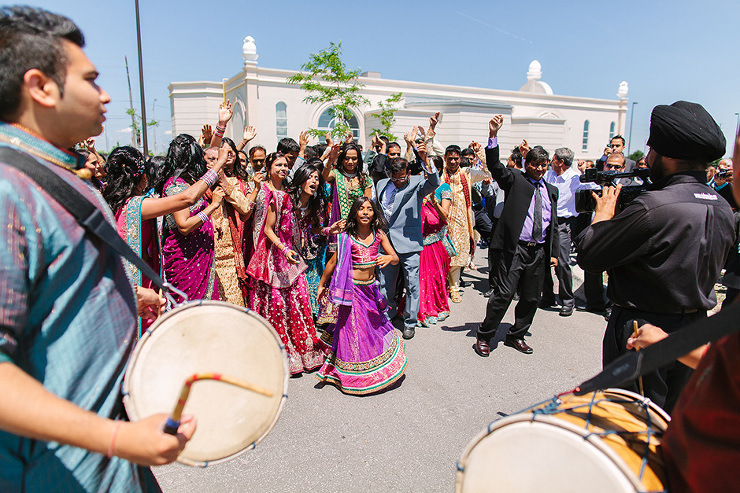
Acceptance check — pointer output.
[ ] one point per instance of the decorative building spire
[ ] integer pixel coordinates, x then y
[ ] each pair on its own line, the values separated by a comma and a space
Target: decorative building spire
249, 50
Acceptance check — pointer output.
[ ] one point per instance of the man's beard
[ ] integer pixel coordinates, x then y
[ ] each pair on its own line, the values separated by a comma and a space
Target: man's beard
657, 169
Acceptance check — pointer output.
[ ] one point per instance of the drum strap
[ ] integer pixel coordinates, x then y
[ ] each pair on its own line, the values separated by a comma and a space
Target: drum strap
91, 218
631, 365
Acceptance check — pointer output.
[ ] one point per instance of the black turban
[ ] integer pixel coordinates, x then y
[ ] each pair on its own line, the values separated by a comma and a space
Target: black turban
685, 130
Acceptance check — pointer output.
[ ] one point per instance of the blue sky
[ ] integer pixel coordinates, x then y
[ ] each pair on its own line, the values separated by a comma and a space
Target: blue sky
665, 50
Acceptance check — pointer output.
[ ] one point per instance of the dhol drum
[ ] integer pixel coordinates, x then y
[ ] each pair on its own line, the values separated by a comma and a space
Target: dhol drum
606, 441
210, 337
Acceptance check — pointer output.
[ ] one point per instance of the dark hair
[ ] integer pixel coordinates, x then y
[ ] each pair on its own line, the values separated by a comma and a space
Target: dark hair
467, 152
32, 39
398, 165
392, 144
286, 145
386, 140
154, 167
317, 203
185, 158
238, 171
316, 161
256, 148
516, 155
244, 154
537, 154
125, 167
310, 153
360, 168
454, 148
320, 148
376, 224
271, 158
620, 138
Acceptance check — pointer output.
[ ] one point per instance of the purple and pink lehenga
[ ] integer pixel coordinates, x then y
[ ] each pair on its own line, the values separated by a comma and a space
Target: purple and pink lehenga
367, 355
434, 263
189, 259
279, 291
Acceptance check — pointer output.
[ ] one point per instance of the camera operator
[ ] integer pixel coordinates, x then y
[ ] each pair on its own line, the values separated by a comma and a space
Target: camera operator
722, 182
665, 249
616, 145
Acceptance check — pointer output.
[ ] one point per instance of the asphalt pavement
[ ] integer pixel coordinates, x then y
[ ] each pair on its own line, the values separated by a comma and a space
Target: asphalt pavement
410, 438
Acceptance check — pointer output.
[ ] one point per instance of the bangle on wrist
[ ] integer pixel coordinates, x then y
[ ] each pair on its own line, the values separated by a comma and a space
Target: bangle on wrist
112, 446
325, 231
203, 216
210, 177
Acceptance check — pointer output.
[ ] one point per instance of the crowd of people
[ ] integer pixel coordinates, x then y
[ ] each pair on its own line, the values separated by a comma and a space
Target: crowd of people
345, 252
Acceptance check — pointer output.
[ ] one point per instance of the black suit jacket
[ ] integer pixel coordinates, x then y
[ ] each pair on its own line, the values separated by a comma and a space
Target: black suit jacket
519, 191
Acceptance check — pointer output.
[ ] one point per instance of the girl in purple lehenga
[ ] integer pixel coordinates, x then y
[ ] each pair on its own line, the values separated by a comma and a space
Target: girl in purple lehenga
187, 247
367, 355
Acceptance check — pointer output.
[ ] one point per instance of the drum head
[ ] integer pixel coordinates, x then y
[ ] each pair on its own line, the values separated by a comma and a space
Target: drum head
210, 337
556, 451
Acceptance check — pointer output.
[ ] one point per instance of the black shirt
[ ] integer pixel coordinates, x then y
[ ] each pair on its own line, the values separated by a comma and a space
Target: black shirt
665, 250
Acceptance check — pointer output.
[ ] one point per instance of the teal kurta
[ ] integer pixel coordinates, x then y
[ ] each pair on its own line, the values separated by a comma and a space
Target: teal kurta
68, 319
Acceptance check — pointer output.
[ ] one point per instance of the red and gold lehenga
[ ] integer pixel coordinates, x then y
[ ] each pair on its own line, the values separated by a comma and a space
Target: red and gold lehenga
279, 291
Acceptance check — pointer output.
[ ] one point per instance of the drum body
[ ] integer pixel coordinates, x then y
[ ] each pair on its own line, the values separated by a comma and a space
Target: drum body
604, 441
205, 337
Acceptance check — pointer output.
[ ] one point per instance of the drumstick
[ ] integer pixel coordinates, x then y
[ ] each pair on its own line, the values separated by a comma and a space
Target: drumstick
634, 334
173, 422
159, 303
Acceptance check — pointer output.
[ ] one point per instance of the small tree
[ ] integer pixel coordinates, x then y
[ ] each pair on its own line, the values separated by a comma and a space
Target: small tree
136, 130
326, 80
636, 156
387, 116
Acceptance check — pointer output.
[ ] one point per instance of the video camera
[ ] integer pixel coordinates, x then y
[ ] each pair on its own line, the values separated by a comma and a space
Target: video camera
585, 202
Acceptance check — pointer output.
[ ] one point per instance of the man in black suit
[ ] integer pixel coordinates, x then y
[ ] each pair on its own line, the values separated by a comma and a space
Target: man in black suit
523, 240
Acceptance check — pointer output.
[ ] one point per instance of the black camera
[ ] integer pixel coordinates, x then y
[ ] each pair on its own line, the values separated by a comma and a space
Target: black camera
585, 202
722, 174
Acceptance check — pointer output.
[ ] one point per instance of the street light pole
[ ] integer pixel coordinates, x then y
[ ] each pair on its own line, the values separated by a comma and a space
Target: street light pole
632, 119
141, 82
737, 127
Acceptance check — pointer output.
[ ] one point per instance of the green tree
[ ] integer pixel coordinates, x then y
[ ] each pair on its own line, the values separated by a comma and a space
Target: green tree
636, 156
135, 122
326, 79
387, 116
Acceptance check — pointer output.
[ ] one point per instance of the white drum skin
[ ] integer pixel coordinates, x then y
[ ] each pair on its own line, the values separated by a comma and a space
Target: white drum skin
210, 337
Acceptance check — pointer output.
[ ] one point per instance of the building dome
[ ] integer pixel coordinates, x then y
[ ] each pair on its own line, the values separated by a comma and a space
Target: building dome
534, 84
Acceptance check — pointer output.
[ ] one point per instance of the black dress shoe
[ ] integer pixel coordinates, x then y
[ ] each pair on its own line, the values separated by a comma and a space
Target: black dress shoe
519, 345
408, 332
482, 348
566, 311
488, 293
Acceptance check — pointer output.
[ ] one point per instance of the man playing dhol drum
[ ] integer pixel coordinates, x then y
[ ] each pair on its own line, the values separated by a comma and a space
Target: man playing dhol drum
67, 309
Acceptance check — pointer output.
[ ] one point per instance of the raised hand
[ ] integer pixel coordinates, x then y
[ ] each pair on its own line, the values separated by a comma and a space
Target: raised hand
349, 137
494, 125
334, 154
433, 120
224, 112
303, 139
206, 133
524, 148
90, 144
249, 133
421, 148
328, 140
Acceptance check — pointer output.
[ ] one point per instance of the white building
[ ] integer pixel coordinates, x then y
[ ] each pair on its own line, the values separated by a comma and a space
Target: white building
262, 97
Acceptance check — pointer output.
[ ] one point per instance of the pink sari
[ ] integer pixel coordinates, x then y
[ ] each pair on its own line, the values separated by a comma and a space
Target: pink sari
433, 267
279, 291
189, 259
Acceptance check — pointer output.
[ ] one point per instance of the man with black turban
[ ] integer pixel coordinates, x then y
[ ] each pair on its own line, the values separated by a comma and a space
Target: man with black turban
664, 251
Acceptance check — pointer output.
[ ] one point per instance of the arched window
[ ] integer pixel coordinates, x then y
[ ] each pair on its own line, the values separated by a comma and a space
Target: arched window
585, 136
326, 122
611, 131
281, 120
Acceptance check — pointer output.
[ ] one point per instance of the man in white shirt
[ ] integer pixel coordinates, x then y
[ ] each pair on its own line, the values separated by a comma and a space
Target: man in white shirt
567, 180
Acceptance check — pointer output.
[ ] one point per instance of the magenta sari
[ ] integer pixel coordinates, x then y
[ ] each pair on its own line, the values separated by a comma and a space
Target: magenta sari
433, 264
279, 291
189, 259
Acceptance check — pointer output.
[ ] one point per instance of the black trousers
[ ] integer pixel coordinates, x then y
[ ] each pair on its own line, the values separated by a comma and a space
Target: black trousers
563, 270
664, 385
526, 270
594, 291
